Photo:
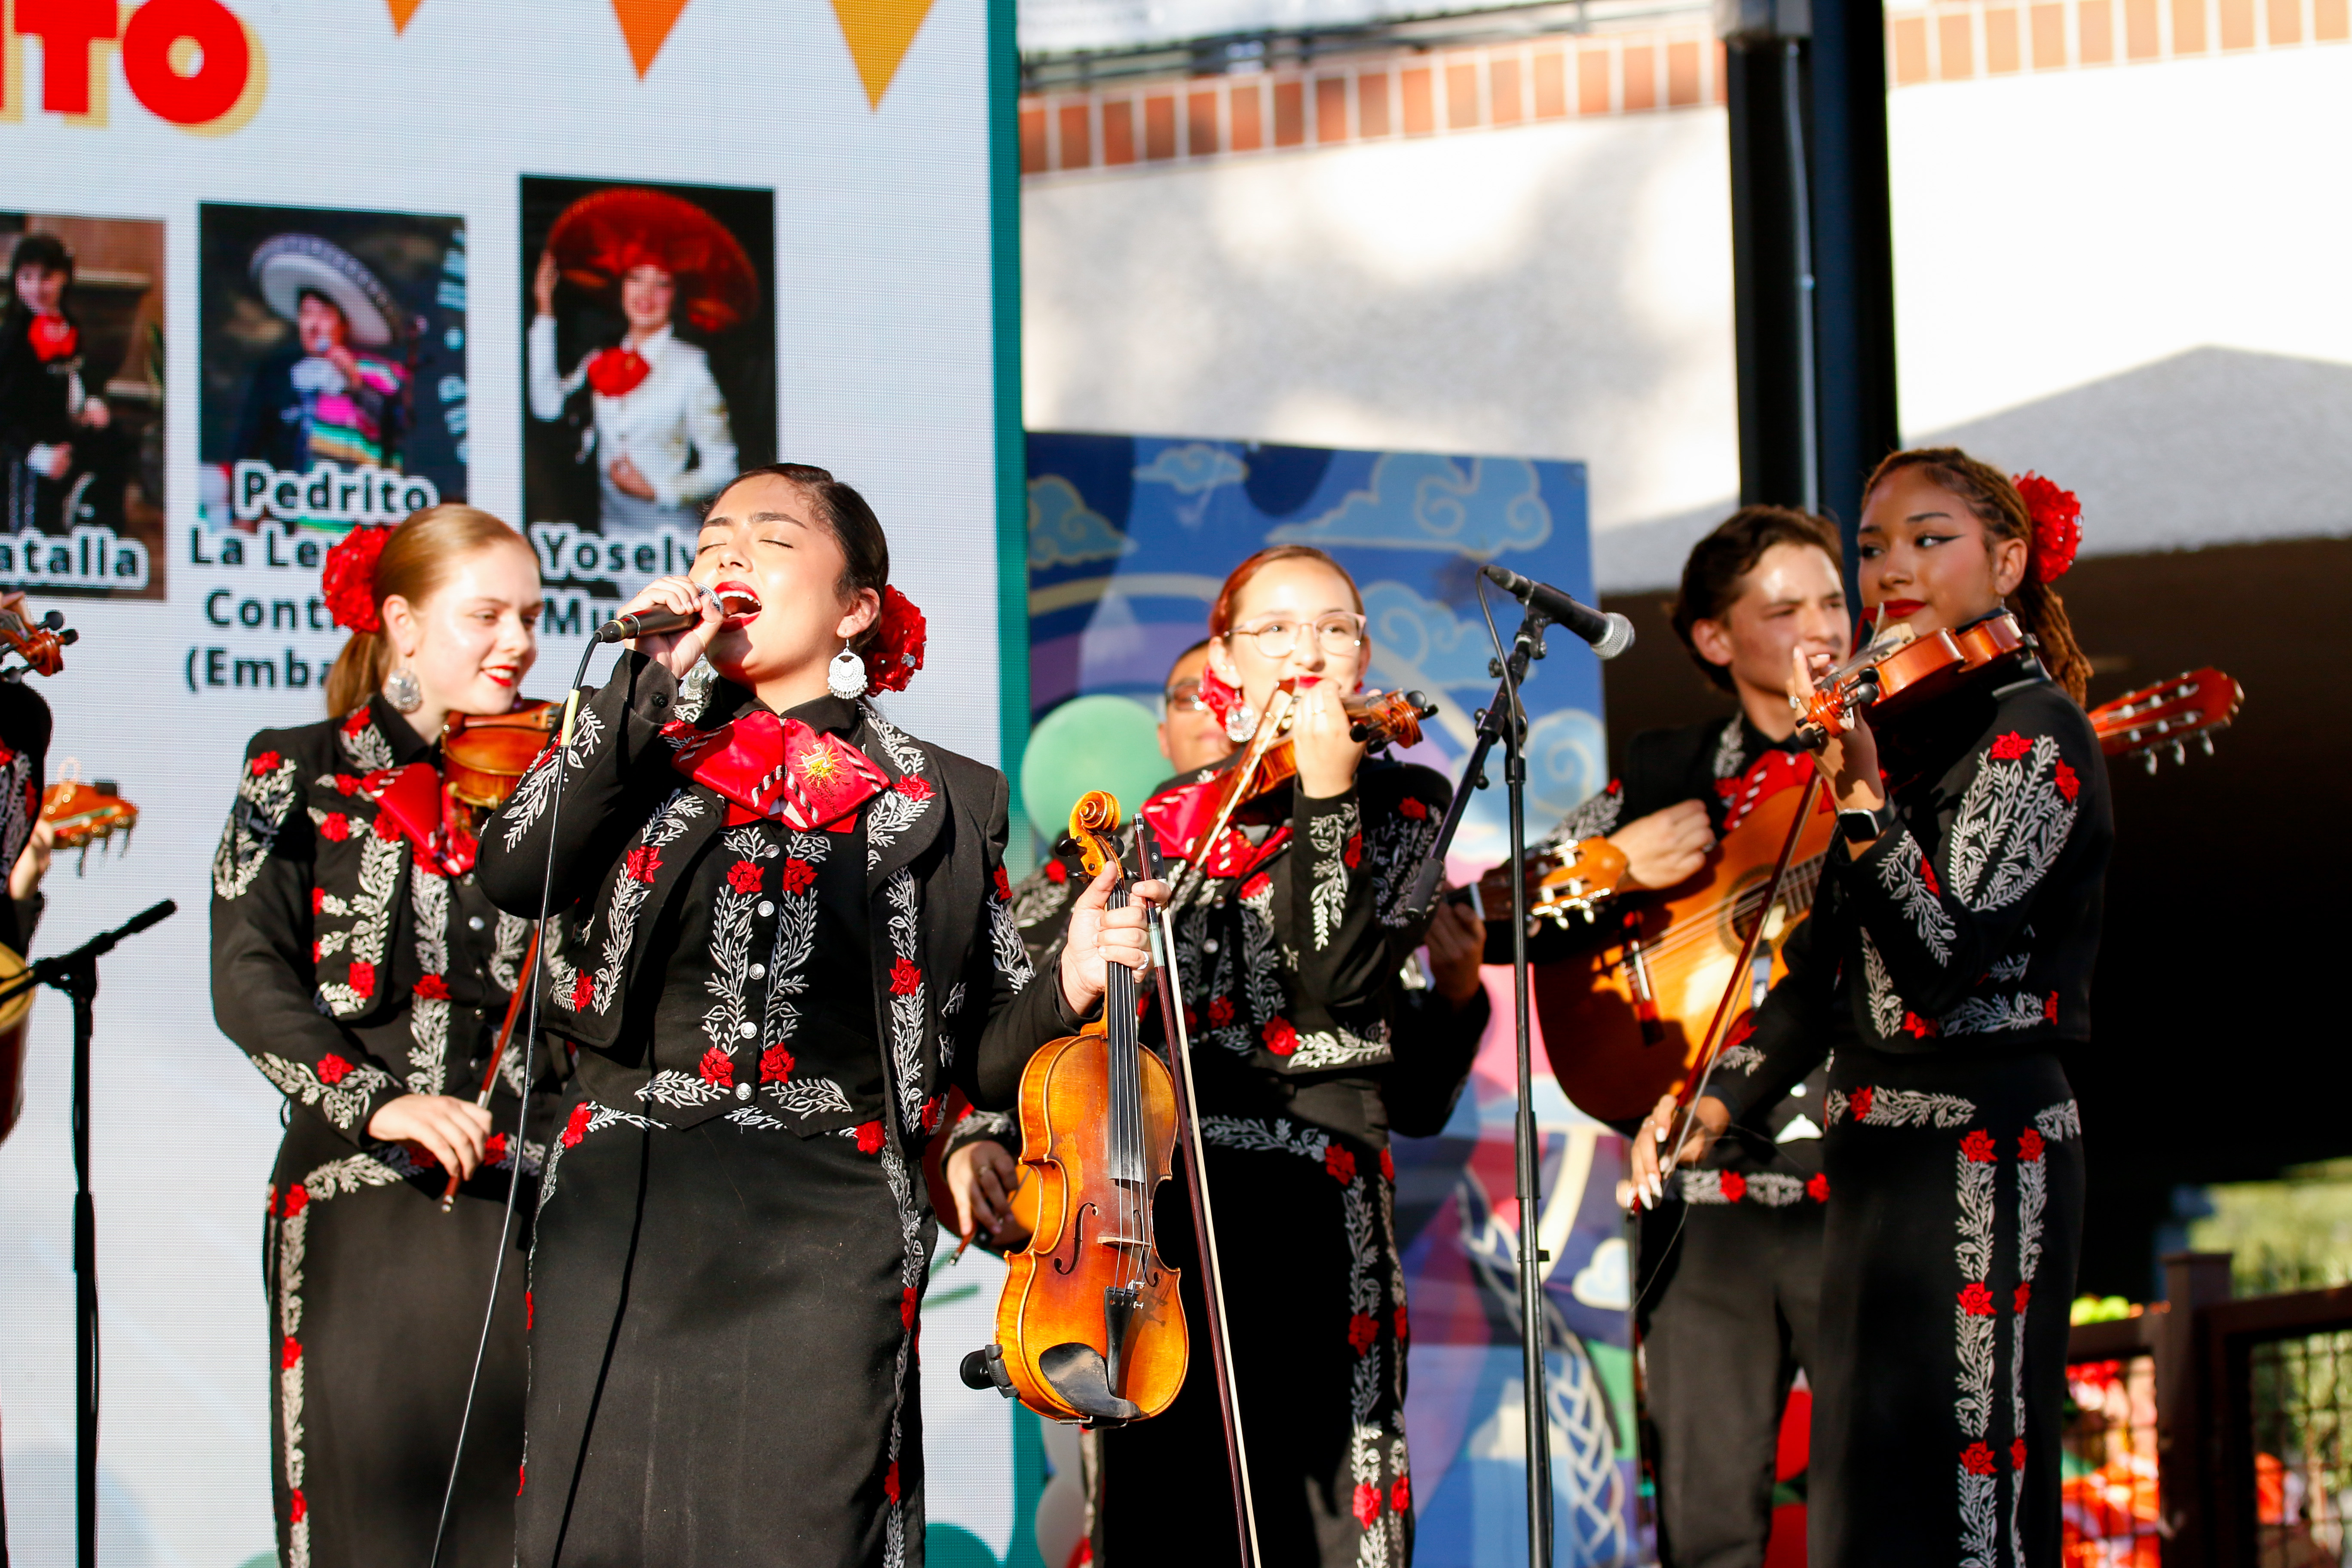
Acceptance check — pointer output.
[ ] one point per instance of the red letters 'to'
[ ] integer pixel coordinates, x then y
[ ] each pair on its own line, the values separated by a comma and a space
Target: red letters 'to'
220, 76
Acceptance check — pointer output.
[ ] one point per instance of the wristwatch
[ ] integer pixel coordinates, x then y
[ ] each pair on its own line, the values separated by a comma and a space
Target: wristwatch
1860, 825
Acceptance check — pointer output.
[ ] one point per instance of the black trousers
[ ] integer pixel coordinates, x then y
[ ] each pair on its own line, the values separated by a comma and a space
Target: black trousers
1731, 1298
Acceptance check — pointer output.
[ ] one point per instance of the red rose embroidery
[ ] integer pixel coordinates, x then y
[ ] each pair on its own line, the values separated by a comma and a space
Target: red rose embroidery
1979, 1146
1401, 1494
317, 901
433, 988
494, 1148
386, 828
905, 978
1255, 886
1975, 1300
1352, 854
890, 1481
2017, 1454
336, 827
799, 877
346, 784
264, 762
716, 1068
1367, 1504
291, 1356
1387, 1166
869, 1137
2024, 1297
1927, 875
1057, 872
583, 991
744, 876
1362, 1332
298, 1198
577, 1128
2010, 747
1003, 887
1733, 1185
617, 372
913, 788
1403, 1329
1860, 1102
932, 1108
333, 1069
363, 978
1341, 1162
2029, 1145
358, 720
1817, 1189
1977, 1459
907, 1307
1221, 1011
2068, 784
1281, 1038
297, 1508
2050, 1007
1920, 1028
1416, 809
640, 864
775, 1065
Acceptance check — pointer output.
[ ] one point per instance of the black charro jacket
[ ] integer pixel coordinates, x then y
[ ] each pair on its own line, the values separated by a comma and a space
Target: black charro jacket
629, 825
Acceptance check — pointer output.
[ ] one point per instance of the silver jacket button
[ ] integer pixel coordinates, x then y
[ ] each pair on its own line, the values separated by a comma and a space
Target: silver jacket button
747, 1031
742, 1091
759, 972
767, 908
473, 922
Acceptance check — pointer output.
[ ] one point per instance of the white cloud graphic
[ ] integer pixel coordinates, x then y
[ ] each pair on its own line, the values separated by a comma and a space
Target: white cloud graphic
1606, 1284
1424, 637
1480, 507
1062, 532
1192, 469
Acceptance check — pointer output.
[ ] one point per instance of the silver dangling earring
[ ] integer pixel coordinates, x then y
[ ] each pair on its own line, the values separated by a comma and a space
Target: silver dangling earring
403, 691
1241, 721
845, 676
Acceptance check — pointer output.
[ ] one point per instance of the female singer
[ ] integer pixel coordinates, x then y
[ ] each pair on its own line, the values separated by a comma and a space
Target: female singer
782, 935
1947, 965
1290, 953
357, 962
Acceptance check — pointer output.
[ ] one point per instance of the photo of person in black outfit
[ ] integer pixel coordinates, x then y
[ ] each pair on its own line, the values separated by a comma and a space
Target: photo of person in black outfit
60, 457
1947, 965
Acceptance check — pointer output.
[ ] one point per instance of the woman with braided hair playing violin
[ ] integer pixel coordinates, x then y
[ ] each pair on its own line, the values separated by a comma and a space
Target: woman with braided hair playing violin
780, 936
360, 965
1945, 969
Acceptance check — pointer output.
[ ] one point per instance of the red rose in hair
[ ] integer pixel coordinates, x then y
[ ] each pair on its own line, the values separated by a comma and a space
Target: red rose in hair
298, 1198
263, 762
1975, 1300
1367, 1504
575, 1129
333, 1069
363, 978
1977, 1459
348, 583
869, 1137
1341, 1162
433, 988
336, 827
2010, 747
1221, 1011
717, 1068
775, 1065
898, 650
2068, 784
1979, 1146
905, 978
744, 876
913, 788
799, 876
2057, 526
1860, 1102
53, 338
1281, 1038
1417, 810
1733, 1185
616, 372
1003, 887
2028, 1144
1057, 872
1817, 1189
1400, 1495
583, 991
1362, 1332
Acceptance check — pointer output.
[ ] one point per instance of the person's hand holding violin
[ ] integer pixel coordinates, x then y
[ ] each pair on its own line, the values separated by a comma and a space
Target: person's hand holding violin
1100, 937
1327, 757
1666, 1128
1849, 762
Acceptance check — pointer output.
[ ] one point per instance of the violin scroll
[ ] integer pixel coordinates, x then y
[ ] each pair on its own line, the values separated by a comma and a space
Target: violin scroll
41, 644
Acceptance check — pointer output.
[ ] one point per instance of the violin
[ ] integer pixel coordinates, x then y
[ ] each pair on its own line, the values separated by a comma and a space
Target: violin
1898, 671
1089, 1329
41, 644
80, 814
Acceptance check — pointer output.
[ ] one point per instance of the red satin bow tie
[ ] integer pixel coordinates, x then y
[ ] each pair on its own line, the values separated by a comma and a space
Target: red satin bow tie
769, 765
1182, 814
411, 799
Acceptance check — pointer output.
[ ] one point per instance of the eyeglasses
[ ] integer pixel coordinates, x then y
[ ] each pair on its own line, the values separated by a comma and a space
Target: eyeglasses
1340, 632
1184, 697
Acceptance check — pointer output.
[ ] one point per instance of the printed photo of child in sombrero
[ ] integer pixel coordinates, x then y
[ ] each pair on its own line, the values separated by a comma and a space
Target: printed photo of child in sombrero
650, 357
334, 365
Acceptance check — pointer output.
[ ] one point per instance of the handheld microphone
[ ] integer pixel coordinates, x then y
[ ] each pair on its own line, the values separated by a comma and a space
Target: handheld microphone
1610, 633
651, 623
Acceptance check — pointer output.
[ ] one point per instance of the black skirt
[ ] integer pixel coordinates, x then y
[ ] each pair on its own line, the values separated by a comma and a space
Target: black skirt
1947, 1264
722, 1340
376, 1301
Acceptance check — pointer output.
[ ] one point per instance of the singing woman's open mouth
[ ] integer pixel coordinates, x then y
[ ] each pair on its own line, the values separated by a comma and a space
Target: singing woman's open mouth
740, 601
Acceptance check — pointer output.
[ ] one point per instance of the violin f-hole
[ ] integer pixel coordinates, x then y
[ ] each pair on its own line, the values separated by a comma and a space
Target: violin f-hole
1078, 1239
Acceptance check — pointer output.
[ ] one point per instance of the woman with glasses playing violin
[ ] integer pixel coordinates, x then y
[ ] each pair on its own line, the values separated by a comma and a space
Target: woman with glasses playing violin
1946, 963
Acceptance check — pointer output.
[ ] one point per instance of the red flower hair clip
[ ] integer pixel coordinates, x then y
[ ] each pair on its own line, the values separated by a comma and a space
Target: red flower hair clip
2057, 526
349, 579
900, 638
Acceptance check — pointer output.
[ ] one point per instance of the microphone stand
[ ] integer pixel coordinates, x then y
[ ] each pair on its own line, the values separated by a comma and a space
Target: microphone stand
1503, 719
76, 974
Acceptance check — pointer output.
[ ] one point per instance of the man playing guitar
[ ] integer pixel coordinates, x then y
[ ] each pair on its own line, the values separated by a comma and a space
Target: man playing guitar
1729, 1276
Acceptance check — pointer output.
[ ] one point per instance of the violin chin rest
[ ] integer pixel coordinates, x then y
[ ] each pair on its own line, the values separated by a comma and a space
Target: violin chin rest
1081, 1376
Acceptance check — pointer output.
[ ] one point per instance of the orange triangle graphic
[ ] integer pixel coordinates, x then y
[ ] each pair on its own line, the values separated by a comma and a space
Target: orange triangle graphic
645, 24
402, 10
879, 33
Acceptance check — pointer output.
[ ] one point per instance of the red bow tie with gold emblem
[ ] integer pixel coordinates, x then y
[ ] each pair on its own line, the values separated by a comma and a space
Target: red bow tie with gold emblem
768, 765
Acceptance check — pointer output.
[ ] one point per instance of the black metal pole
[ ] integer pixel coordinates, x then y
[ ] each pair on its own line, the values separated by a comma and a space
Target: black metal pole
82, 984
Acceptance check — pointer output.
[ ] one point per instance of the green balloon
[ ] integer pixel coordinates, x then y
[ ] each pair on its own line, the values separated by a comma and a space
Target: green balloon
1088, 743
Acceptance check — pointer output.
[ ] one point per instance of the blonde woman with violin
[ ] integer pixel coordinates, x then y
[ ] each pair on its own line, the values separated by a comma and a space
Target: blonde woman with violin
780, 936
1944, 971
359, 964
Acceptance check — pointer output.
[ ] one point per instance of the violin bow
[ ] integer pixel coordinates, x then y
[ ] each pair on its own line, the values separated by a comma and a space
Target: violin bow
498, 1056
1196, 1182
1190, 872
1710, 1050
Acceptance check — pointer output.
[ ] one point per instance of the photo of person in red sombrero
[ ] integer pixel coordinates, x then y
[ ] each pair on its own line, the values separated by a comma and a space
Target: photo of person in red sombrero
655, 284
